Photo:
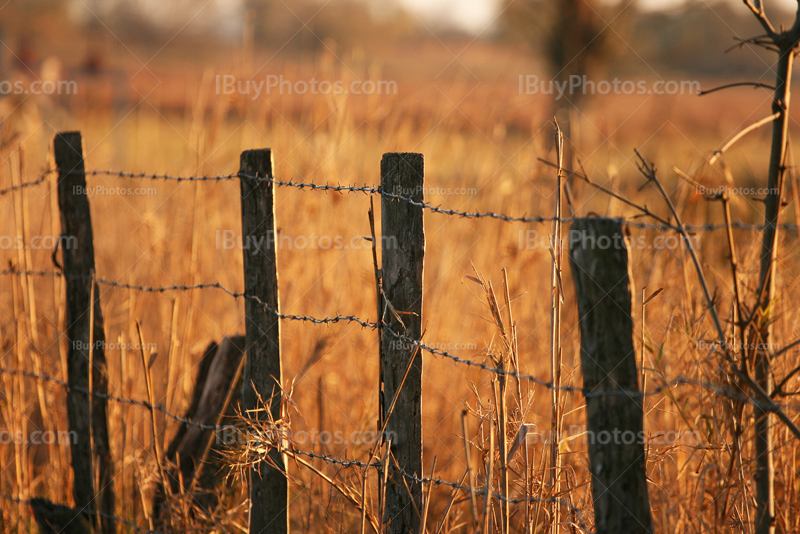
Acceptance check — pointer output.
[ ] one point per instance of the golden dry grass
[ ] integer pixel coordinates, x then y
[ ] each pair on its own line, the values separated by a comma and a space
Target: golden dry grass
473, 136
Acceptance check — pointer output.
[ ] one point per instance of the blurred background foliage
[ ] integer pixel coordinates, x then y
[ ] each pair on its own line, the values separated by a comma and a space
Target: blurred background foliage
641, 41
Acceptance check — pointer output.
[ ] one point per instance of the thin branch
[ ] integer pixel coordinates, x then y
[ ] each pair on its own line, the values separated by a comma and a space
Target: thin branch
770, 406
764, 41
754, 85
650, 174
761, 16
754, 126
793, 35
778, 391
609, 192
786, 348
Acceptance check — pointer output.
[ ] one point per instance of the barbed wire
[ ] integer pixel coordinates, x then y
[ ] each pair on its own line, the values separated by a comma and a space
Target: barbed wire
96, 513
441, 482
519, 500
216, 285
354, 463
327, 459
369, 190
54, 274
665, 385
145, 175
423, 480
23, 185
328, 320
106, 396
235, 294
334, 461
373, 190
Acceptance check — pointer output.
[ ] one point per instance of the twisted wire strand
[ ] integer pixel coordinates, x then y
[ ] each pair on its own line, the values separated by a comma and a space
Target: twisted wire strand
355, 463
96, 513
665, 385
106, 396
182, 287
450, 484
369, 190
373, 190
23, 185
329, 320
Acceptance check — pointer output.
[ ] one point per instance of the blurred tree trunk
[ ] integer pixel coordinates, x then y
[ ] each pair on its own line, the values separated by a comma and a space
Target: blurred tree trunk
575, 39
576, 49
259, 11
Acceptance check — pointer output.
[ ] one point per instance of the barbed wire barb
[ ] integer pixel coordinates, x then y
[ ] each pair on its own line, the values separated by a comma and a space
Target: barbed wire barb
373, 190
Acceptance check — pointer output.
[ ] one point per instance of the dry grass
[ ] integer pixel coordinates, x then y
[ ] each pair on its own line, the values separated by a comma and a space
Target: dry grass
491, 143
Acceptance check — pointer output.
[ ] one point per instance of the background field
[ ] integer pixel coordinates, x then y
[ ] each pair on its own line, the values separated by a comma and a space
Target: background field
150, 105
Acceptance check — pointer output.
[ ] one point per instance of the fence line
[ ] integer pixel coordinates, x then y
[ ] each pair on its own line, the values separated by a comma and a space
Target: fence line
454, 485
370, 325
665, 385
105, 516
106, 396
92, 512
662, 384
23, 185
354, 463
330, 320
678, 381
372, 190
216, 285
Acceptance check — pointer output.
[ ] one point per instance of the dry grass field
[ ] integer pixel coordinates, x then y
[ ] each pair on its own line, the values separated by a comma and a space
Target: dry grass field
479, 135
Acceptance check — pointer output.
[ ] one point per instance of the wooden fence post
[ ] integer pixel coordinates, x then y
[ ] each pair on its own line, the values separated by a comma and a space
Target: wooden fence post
269, 487
93, 491
598, 255
402, 249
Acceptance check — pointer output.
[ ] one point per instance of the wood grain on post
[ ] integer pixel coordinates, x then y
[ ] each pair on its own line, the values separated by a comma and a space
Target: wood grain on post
269, 487
598, 255
93, 492
403, 249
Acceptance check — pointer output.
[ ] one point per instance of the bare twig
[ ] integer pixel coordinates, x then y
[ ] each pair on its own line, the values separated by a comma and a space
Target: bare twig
450, 504
472, 499
778, 391
742, 133
761, 16
650, 174
555, 334
487, 504
763, 41
787, 348
766, 403
755, 85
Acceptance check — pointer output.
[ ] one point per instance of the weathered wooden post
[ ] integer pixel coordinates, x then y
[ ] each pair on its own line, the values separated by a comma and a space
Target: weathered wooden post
402, 249
598, 255
269, 487
93, 491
